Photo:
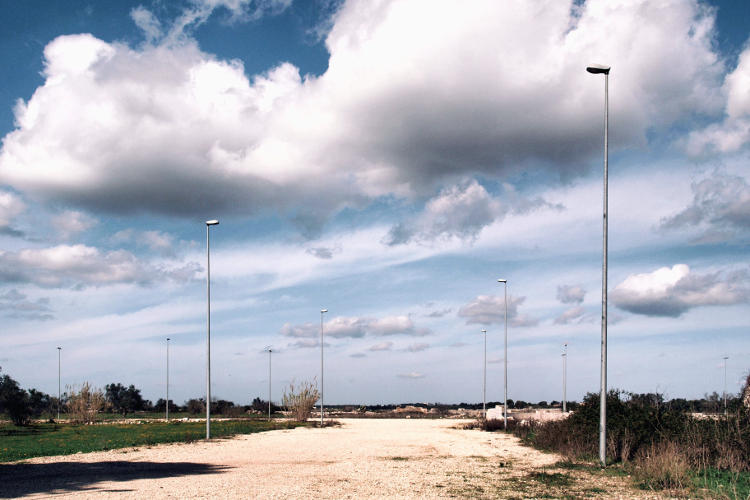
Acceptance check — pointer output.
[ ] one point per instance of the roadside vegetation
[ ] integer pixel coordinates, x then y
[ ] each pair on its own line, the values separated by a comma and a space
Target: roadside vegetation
661, 444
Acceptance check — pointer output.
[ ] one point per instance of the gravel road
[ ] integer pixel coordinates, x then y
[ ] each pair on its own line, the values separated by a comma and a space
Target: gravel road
362, 458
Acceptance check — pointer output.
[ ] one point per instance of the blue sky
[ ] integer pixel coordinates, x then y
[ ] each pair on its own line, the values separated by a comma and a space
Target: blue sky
388, 161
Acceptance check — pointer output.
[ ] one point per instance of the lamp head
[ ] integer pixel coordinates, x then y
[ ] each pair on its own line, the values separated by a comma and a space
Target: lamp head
597, 69
501, 280
212, 222
484, 331
323, 311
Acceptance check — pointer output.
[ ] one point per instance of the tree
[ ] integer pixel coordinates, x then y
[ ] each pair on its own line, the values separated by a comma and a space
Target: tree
40, 403
124, 399
195, 406
14, 401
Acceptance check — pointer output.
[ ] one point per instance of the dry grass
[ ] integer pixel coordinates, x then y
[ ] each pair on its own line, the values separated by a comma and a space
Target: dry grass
663, 466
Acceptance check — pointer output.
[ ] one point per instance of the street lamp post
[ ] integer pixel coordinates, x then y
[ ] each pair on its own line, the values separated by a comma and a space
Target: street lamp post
505, 356
565, 376
322, 312
209, 223
601, 69
725, 385
269, 383
167, 405
59, 395
484, 379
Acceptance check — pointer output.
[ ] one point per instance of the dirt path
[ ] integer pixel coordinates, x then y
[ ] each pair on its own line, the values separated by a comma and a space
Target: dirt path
362, 458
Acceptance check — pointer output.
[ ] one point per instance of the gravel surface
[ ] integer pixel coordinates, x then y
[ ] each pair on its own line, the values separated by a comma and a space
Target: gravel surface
362, 458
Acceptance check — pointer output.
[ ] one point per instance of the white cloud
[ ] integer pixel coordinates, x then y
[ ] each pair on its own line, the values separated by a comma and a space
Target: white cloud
71, 223
10, 206
394, 114
411, 375
733, 133
18, 305
574, 315
147, 22
382, 346
721, 206
418, 347
673, 291
570, 294
81, 265
355, 327
489, 309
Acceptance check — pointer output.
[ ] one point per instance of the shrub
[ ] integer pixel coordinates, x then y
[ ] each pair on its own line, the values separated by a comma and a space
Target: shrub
300, 399
84, 405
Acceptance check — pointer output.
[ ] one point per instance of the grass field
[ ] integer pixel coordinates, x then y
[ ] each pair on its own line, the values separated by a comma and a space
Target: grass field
17, 443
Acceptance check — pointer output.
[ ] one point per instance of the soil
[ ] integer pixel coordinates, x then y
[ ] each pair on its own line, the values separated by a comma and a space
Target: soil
362, 458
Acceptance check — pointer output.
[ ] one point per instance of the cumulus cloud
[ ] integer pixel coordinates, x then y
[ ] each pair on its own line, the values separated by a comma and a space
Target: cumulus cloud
382, 346
71, 223
461, 211
394, 114
489, 309
18, 305
411, 375
570, 294
356, 327
673, 291
733, 133
721, 205
81, 265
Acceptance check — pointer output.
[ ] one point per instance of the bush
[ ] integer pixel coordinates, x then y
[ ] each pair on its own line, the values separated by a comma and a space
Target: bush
300, 399
84, 405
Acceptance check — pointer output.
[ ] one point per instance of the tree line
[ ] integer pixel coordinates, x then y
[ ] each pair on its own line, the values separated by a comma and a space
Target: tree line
21, 406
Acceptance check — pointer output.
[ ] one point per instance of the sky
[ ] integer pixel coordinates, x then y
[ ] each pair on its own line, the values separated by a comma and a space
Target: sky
388, 161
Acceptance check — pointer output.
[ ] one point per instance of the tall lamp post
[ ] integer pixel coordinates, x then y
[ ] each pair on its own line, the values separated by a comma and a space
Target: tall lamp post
597, 69
505, 357
565, 376
725, 385
209, 223
59, 395
484, 379
322, 312
269, 383
167, 405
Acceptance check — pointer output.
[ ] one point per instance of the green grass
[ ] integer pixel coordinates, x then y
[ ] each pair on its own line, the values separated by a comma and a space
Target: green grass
18, 443
724, 484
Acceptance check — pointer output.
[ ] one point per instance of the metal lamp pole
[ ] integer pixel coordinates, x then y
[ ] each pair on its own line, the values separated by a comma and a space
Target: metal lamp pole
601, 69
565, 376
322, 312
269, 383
484, 380
167, 405
505, 357
59, 395
209, 223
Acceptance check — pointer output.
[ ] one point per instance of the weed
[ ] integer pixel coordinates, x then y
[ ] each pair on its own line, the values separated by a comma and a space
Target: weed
552, 479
